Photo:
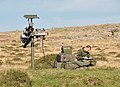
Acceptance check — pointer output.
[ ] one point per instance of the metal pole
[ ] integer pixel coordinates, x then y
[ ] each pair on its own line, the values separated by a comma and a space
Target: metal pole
43, 48
32, 52
31, 20
28, 22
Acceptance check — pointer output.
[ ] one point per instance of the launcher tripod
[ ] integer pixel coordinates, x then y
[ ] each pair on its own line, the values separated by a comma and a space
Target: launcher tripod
29, 35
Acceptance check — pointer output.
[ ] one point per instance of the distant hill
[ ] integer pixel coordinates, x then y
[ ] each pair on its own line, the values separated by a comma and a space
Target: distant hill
104, 39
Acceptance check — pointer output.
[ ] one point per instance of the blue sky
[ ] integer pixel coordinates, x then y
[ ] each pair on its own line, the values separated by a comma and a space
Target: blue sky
58, 13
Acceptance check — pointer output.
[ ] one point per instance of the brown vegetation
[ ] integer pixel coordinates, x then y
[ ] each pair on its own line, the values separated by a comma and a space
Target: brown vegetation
105, 45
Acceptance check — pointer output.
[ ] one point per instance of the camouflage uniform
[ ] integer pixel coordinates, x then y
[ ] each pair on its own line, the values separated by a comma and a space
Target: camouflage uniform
83, 58
81, 54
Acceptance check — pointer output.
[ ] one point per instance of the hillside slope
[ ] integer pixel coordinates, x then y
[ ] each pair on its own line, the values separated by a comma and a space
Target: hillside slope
104, 39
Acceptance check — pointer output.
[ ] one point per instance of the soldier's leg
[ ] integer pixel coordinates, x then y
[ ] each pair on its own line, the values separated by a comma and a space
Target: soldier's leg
79, 63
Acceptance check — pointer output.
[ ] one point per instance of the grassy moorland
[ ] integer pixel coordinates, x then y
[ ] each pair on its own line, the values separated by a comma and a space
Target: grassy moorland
45, 76
99, 77
104, 39
103, 77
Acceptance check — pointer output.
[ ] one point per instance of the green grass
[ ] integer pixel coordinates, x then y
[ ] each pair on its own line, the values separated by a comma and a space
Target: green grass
45, 76
45, 64
15, 78
104, 77
98, 77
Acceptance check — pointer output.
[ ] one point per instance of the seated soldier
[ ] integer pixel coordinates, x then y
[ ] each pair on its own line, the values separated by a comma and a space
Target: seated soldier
84, 53
84, 58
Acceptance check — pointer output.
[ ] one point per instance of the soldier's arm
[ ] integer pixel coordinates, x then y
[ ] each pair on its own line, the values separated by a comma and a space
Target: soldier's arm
79, 54
88, 55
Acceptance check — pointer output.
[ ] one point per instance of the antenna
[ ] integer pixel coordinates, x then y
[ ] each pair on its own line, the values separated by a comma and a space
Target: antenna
29, 35
30, 19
